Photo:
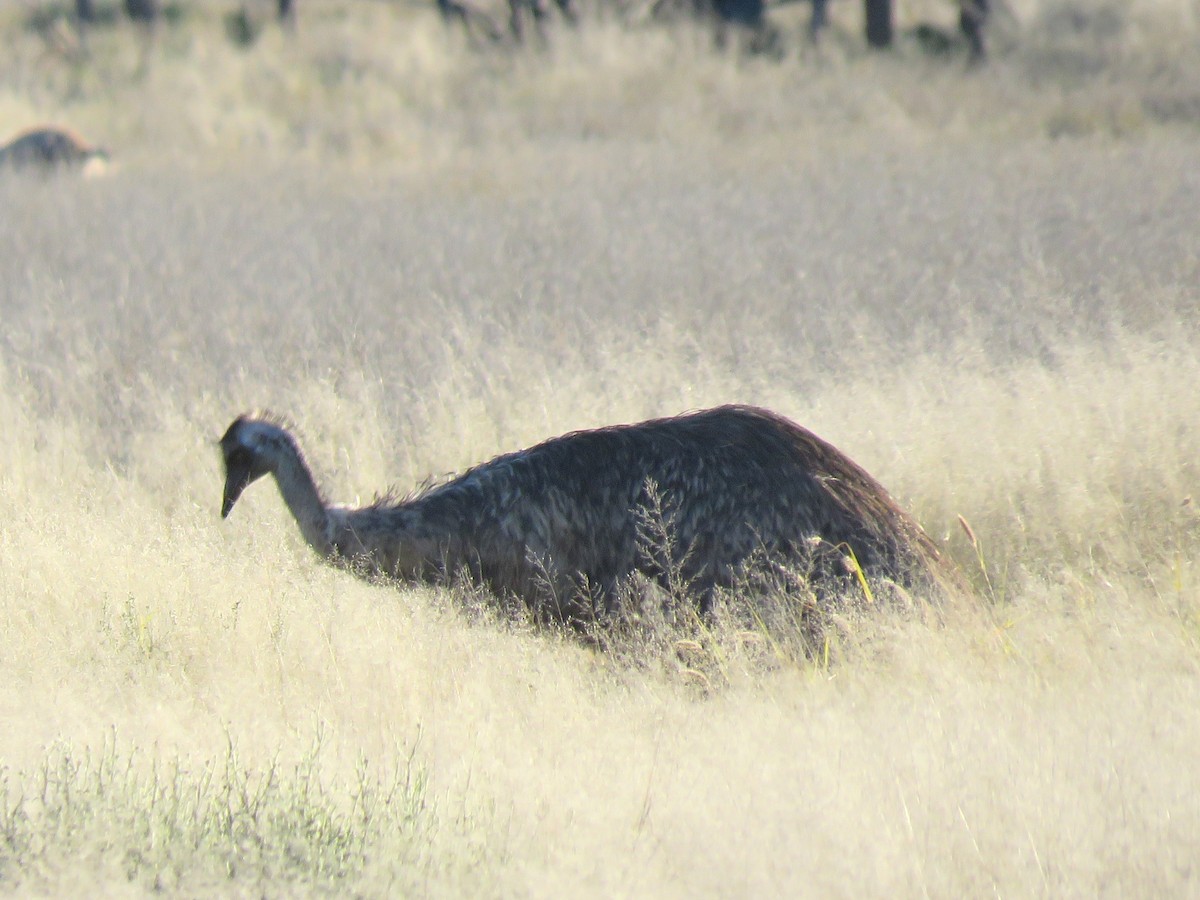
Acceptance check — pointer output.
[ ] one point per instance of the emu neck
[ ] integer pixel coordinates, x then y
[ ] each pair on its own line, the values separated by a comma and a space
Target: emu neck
304, 500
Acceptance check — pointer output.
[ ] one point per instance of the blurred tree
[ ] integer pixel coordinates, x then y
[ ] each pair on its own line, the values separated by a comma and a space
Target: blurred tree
819, 18
241, 28
85, 11
747, 19
245, 23
746, 22
972, 14
473, 22
538, 11
879, 22
142, 10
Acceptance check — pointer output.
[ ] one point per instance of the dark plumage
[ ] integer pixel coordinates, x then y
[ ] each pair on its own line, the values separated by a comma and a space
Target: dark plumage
566, 522
49, 148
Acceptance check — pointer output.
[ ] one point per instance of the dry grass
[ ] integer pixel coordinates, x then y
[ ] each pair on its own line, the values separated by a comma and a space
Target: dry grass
982, 287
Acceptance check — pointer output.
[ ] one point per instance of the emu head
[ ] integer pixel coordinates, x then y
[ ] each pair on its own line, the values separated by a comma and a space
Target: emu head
96, 162
247, 450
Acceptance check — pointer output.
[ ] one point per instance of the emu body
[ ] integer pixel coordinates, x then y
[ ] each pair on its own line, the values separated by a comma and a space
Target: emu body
564, 522
48, 148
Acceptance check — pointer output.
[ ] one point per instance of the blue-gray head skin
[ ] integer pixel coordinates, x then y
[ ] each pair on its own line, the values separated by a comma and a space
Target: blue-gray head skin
257, 445
247, 455
564, 525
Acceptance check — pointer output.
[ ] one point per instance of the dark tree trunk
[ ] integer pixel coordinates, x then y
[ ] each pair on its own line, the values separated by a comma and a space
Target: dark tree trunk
85, 11
142, 10
972, 15
748, 13
568, 10
819, 18
879, 22
287, 12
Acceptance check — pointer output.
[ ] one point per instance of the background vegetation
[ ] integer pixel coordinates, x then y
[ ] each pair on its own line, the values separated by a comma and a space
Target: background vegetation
981, 284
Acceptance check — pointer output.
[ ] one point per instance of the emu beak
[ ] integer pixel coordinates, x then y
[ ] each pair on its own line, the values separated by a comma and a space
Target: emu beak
237, 477
232, 492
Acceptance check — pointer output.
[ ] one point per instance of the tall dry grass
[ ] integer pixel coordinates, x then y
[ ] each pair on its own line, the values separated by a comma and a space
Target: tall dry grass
993, 311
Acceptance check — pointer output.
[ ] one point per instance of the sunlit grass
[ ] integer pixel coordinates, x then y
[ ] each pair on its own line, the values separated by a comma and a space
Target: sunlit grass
981, 286
175, 824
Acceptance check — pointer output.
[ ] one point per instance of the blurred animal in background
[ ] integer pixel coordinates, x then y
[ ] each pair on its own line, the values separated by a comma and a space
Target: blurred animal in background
692, 503
49, 149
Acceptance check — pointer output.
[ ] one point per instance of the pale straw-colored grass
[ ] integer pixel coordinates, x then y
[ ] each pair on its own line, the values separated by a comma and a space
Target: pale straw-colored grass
982, 287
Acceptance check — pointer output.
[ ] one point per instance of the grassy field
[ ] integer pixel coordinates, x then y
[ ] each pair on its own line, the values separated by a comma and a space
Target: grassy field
980, 284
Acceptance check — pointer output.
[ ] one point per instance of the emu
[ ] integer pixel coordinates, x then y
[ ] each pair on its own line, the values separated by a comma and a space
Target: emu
48, 148
563, 525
